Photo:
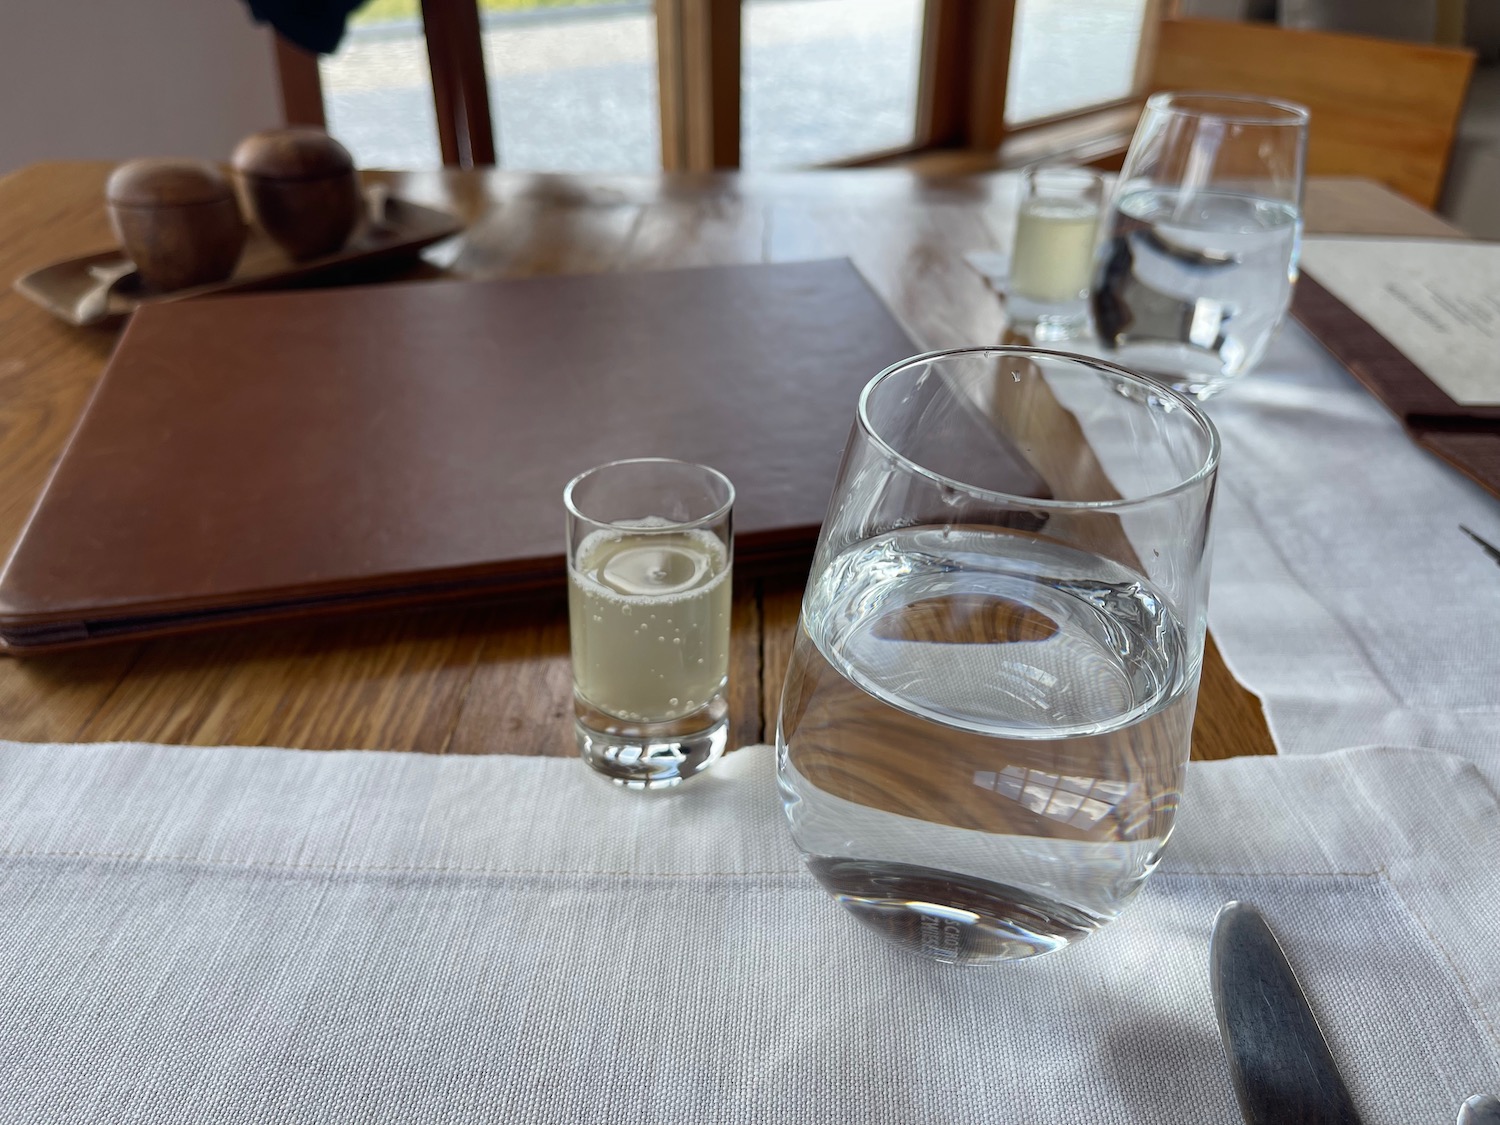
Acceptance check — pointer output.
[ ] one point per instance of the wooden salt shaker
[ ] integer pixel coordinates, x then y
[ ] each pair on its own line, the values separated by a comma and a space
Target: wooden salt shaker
300, 186
177, 220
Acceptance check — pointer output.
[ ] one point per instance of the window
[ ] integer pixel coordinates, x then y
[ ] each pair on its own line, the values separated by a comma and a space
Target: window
826, 79
1069, 56
377, 90
573, 86
590, 85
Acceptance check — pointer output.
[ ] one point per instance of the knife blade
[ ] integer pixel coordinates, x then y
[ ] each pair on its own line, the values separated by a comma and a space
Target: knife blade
1279, 1061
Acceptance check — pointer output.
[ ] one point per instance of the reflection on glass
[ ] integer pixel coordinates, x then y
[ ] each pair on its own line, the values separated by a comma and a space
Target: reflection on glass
1069, 56
825, 79
1080, 801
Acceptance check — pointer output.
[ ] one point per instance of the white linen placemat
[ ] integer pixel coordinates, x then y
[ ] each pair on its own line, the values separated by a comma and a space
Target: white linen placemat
1344, 593
213, 935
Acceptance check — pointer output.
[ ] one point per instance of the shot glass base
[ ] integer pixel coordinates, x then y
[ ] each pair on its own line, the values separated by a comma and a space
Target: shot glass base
1047, 322
1052, 330
652, 755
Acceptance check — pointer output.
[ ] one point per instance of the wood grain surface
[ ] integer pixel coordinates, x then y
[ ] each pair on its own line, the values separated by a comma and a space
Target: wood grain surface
495, 678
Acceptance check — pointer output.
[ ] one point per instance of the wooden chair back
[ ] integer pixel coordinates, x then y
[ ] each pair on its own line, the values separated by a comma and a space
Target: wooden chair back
1380, 108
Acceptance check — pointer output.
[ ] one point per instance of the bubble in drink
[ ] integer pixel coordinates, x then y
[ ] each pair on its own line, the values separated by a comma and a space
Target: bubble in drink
632, 673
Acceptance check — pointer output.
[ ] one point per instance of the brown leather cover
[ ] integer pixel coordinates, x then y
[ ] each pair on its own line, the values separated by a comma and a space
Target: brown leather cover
275, 454
1467, 437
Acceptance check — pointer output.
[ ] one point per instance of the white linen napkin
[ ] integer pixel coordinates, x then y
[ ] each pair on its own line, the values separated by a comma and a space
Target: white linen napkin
238, 935
1344, 593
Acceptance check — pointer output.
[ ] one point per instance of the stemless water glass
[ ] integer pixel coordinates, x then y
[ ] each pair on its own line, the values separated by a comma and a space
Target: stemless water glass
1057, 221
650, 554
1203, 237
985, 724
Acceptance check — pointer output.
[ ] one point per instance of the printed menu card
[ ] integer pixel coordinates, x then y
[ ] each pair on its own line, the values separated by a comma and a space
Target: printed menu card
1437, 300
1417, 321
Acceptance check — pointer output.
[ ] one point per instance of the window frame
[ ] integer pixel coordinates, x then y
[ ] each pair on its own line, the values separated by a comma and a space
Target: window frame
963, 73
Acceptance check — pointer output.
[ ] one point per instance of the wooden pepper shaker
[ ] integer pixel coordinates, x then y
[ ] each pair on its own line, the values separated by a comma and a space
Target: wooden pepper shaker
177, 220
300, 186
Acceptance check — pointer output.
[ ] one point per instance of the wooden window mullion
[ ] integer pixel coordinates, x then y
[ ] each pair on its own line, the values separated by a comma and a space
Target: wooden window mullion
965, 65
460, 92
698, 67
301, 85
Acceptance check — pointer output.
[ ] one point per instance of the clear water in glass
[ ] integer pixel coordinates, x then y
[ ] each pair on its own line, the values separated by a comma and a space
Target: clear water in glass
1193, 285
983, 738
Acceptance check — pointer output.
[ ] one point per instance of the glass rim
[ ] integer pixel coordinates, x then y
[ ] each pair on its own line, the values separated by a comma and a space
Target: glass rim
1282, 112
683, 525
1061, 168
1209, 463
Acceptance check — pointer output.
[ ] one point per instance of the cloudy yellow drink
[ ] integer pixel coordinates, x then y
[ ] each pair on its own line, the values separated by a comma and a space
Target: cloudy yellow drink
1054, 249
649, 618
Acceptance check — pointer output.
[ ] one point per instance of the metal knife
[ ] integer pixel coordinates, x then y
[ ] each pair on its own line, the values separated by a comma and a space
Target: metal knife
1279, 1061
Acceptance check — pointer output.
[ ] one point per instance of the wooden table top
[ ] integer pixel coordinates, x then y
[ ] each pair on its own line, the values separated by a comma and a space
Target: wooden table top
490, 679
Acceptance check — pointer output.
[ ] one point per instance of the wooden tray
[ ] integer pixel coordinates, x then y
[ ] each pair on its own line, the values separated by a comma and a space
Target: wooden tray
78, 290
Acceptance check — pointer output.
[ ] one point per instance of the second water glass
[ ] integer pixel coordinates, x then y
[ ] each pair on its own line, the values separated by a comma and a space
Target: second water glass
1203, 237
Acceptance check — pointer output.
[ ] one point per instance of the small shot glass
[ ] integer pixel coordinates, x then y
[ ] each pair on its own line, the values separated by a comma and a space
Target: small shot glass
650, 560
1057, 225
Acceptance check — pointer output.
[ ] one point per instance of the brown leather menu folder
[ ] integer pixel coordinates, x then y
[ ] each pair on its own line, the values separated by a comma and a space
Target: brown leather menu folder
273, 454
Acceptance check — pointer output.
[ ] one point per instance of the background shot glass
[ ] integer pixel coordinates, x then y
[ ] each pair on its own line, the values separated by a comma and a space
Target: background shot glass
985, 723
1057, 225
1203, 236
650, 554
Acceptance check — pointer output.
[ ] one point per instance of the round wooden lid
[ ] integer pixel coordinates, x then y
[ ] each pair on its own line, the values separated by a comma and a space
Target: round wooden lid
297, 153
162, 182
